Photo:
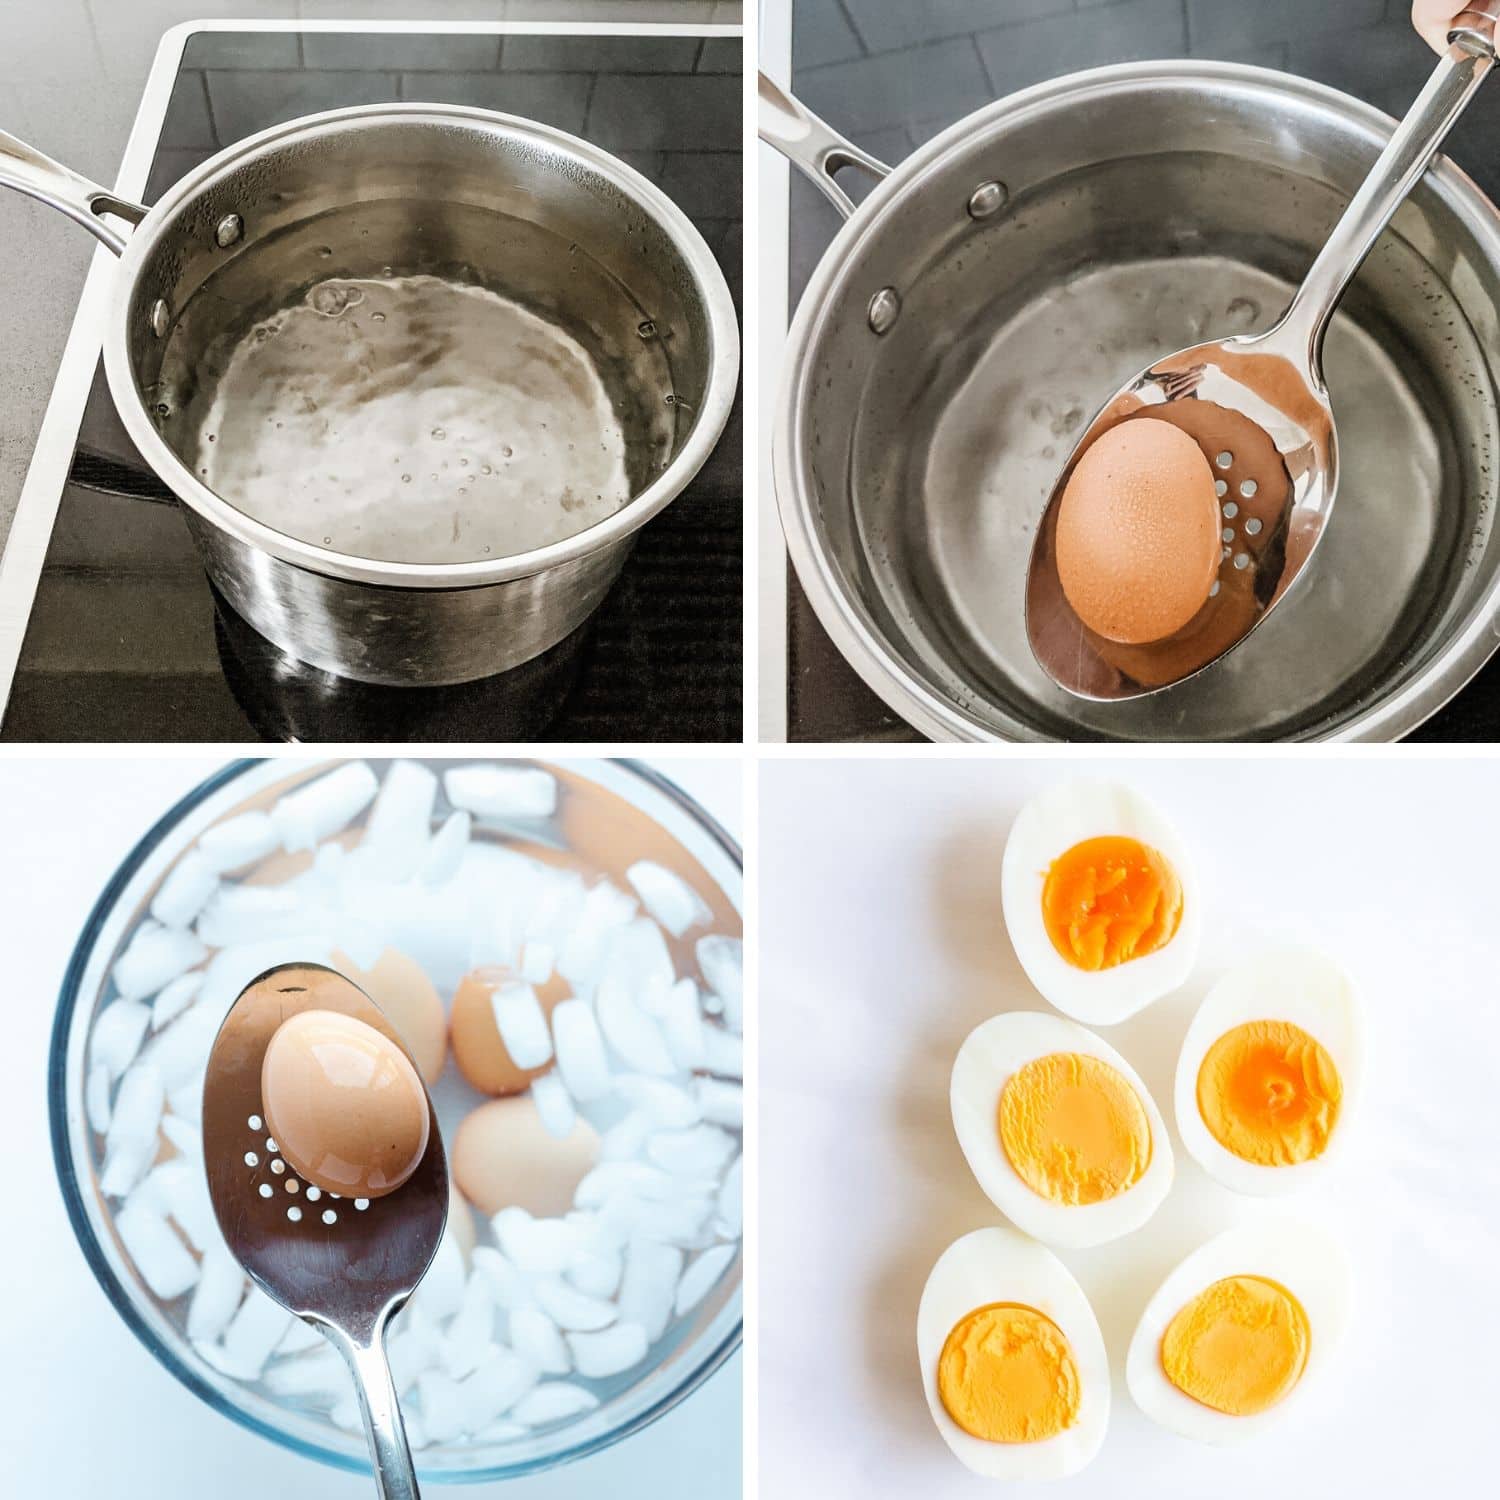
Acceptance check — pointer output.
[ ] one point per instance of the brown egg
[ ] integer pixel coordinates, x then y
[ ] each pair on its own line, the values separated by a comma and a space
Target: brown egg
400, 987
504, 1156
1138, 532
344, 1104
478, 1048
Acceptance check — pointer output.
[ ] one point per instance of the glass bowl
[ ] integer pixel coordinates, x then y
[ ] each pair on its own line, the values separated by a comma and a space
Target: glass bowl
688, 1353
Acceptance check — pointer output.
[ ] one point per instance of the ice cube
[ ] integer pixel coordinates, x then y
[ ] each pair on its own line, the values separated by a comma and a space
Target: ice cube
254, 1331
700, 1150
522, 1025
182, 895
155, 956
237, 842
472, 1329
502, 793
535, 1338
538, 960
241, 914
411, 1351
494, 1387
649, 1284
581, 1059
117, 1033
571, 1309
553, 1401
723, 1053
176, 997
721, 960
216, 1298
398, 831
701, 1275
180, 1050
181, 1191
626, 1138
554, 1105
321, 1374
721, 1102
442, 1405
536, 1245
441, 1293
446, 849
681, 1022
322, 808
183, 1134
164, 1262
668, 897
509, 1287
605, 909
664, 1104
638, 959
632, 1034
96, 1098
596, 1355
597, 1272
130, 1145
729, 1205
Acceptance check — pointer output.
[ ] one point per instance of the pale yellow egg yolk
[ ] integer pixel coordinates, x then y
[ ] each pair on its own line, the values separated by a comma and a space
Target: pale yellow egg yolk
1239, 1346
1007, 1375
1074, 1128
1270, 1093
1108, 900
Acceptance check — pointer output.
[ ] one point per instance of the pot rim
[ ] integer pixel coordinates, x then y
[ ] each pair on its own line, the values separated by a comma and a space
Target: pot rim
849, 622
718, 399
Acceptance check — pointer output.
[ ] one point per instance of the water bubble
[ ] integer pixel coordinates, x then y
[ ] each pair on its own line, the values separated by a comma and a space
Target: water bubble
377, 317
324, 251
485, 469
406, 479
507, 451
438, 434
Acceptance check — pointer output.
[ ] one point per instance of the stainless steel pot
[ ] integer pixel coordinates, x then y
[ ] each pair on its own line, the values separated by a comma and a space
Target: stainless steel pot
506, 203
999, 284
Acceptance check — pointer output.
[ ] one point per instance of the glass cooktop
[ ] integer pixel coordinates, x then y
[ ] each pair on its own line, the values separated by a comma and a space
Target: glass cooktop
892, 75
127, 641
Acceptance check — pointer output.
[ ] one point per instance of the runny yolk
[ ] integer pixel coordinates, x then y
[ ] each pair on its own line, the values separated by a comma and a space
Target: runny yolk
1239, 1346
1007, 1375
1269, 1093
1074, 1128
1108, 900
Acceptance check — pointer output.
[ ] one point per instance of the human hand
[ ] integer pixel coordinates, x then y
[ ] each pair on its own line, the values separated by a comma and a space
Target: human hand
1433, 18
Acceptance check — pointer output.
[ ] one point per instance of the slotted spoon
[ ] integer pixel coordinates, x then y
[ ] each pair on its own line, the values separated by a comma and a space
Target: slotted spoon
343, 1268
1258, 407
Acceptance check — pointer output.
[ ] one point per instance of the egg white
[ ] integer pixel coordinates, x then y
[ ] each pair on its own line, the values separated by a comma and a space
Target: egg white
991, 1053
1298, 985
1299, 1256
1049, 825
1000, 1265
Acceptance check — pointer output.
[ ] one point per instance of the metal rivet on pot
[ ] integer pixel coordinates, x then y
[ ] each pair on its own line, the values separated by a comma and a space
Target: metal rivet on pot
228, 231
885, 308
161, 318
988, 198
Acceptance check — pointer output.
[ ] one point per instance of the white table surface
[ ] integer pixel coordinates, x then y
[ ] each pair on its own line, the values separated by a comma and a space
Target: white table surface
882, 946
84, 1409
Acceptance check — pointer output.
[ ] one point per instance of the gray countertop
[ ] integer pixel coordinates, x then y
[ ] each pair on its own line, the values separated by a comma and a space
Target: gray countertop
71, 76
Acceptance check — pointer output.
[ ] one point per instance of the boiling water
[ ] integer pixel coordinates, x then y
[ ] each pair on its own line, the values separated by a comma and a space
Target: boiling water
413, 419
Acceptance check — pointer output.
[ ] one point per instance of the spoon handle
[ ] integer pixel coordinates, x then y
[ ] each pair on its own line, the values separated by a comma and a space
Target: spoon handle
1470, 55
390, 1454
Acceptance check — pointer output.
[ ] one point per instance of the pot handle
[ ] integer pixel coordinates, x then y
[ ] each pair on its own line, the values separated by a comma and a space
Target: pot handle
28, 171
812, 146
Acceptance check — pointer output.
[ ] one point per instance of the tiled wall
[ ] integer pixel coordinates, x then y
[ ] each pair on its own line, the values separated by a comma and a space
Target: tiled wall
668, 106
893, 73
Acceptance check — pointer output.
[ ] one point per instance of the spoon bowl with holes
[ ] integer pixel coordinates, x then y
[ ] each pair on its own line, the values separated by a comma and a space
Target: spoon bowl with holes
1257, 406
342, 1262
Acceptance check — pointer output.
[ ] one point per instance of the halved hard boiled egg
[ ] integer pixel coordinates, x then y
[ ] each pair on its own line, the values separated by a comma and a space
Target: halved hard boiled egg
1235, 1334
1058, 1129
1269, 1070
1099, 900
1012, 1360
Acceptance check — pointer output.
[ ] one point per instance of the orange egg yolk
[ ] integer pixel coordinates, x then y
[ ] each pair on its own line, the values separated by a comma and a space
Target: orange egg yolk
1108, 900
1007, 1375
1269, 1093
1239, 1346
1074, 1128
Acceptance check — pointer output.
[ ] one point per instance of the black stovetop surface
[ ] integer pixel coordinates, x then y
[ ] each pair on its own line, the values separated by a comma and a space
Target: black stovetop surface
127, 641
891, 74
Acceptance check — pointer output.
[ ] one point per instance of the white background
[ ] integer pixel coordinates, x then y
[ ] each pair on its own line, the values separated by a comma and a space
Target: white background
84, 1409
882, 945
